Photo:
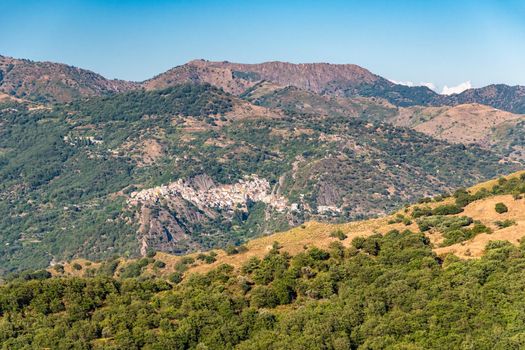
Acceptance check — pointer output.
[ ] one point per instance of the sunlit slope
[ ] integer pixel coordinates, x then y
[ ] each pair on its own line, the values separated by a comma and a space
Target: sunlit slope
481, 213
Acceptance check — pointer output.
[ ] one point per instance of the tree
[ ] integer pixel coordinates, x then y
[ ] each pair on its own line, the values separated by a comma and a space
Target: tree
501, 208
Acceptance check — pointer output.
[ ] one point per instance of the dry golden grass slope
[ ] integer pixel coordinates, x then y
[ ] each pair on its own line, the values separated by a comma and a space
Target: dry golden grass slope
318, 234
467, 123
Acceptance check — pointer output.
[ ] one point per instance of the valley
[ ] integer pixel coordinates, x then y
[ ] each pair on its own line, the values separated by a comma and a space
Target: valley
262, 175
156, 165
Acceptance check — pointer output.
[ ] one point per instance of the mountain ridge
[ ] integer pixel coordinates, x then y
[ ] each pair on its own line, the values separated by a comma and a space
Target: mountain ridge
56, 82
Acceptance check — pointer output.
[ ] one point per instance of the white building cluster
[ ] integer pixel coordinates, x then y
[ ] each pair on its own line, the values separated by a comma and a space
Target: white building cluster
225, 197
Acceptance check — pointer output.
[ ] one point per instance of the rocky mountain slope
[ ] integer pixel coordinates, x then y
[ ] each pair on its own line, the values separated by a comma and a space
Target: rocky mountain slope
53, 82
315, 77
344, 80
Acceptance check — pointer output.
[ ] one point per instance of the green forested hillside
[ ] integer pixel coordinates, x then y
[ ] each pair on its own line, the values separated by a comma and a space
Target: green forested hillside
383, 292
66, 170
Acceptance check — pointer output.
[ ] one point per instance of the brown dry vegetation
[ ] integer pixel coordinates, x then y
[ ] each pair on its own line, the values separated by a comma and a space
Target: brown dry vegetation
467, 123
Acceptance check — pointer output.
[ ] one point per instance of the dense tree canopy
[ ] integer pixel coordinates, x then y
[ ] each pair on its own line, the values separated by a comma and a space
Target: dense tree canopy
386, 292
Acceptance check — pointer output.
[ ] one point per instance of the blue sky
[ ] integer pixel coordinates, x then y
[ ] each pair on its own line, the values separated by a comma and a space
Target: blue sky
440, 42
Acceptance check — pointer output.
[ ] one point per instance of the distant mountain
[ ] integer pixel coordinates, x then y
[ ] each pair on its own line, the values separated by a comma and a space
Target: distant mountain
340, 80
53, 82
508, 98
472, 123
347, 80
315, 77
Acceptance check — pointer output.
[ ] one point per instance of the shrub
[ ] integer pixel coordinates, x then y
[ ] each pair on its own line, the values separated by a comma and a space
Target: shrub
460, 235
276, 246
447, 209
418, 212
180, 266
505, 223
371, 244
263, 296
208, 259
35, 275
59, 268
187, 260
109, 267
77, 266
358, 242
443, 223
132, 270
150, 253
397, 219
159, 264
400, 218
407, 221
501, 208
175, 277
338, 234
232, 250
251, 265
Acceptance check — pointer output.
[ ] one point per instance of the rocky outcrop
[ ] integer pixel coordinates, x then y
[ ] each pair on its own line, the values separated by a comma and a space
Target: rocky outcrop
237, 77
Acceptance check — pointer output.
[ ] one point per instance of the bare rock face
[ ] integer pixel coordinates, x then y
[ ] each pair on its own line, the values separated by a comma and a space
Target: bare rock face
237, 77
221, 77
202, 183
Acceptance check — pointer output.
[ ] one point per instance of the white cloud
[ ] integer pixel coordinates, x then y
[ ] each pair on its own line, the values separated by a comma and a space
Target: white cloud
406, 83
445, 91
410, 83
456, 89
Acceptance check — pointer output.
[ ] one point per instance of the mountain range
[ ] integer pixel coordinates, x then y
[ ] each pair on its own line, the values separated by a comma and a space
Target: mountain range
210, 154
58, 82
